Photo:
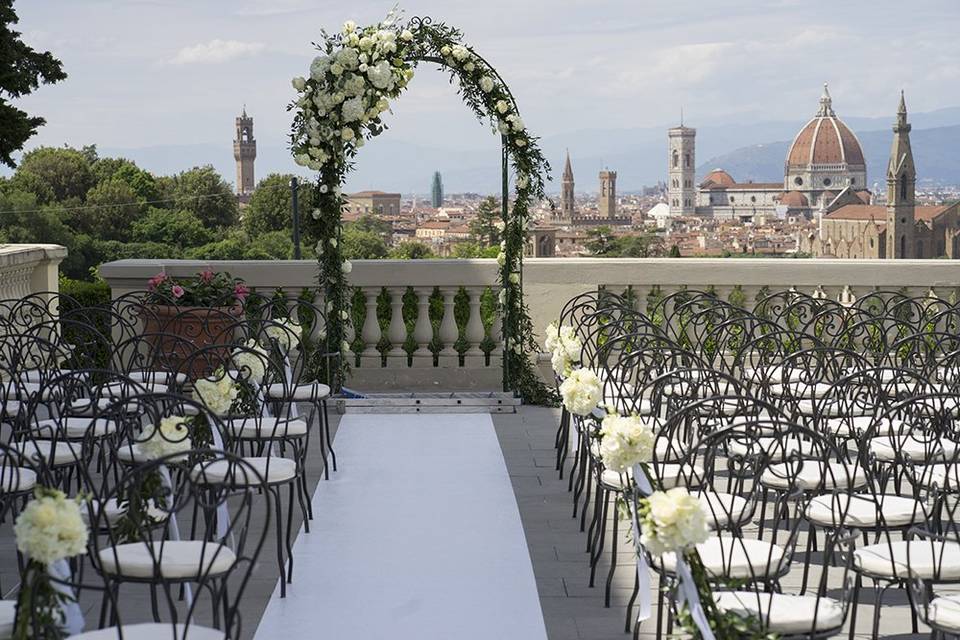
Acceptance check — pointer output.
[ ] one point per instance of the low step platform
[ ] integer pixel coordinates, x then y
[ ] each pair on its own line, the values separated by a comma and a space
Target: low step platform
430, 402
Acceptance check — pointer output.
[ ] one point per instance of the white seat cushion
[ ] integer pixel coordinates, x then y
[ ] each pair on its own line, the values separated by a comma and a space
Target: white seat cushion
10, 408
861, 510
784, 613
75, 428
849, 425
152, 631
777, 446
813, 475
174, 559
15, 480
672, 474
163, 377
920, 447
723, 509
8, 611
307, 392
44, 451
272, 469
118, 389
923, 557
800, 389
266, 427
944, 613
730, 557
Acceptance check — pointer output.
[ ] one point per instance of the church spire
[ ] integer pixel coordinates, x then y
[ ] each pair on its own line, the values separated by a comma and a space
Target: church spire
826, 103
567, 169
901, 189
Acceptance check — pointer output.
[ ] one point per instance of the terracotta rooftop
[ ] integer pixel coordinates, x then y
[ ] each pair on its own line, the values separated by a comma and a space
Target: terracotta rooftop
825, 139
370, 194
878, 213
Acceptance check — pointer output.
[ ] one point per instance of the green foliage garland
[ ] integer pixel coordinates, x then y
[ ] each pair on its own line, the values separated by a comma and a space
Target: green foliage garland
339, 107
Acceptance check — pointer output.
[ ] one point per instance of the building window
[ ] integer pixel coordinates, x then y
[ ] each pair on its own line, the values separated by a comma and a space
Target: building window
853, 181
731, 199
686, 159
903, 188
753, 198
798, 181
827, 182
676, 158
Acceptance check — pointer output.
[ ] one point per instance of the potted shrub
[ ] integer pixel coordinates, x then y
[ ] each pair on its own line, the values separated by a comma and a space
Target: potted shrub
185, 314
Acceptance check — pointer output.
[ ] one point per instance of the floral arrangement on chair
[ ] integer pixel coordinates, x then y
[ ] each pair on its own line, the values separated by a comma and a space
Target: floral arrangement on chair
49, 530
207, 289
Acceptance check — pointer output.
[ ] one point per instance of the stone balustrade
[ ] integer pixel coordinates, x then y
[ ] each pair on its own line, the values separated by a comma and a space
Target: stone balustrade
432, 323
27, 269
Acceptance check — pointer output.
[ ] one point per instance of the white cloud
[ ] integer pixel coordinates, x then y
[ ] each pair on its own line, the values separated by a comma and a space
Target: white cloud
216, 51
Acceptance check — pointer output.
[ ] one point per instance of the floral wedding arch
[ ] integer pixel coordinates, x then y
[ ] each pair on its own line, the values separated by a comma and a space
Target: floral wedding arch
340, 106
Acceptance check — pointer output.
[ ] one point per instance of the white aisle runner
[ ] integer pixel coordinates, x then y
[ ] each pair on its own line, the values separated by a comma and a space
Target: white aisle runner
417, 536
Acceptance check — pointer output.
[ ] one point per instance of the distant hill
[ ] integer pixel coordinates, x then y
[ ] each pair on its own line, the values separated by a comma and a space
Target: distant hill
638, 155
934, 151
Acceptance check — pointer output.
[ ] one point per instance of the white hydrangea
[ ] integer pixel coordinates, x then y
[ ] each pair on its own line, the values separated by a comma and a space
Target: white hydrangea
502, 106
346, 267
486, 84
217, 393
626, 441
170, 437
336, 68
51, 528
469, 67
406, 35
251, 361
551, 337
284, 331
460, 52
581, 392
380, 75
319, 66
366, 43
672, 520
566, 349
348, 58
353, 109
299, 83
515, 122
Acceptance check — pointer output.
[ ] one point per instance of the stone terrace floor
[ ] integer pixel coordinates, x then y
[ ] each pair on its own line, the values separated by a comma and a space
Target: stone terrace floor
571, 609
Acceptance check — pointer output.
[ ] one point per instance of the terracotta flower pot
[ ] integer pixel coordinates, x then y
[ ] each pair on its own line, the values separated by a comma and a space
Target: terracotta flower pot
178, 332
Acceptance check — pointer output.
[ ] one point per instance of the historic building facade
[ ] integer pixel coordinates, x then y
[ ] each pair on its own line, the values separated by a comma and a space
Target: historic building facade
244, 152
851, 228
568, 214
824, 158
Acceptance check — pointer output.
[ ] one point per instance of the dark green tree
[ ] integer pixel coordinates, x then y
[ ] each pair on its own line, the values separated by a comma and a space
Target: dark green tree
271, 208
675, 251
177, 228
412, 250
64, 171
22, 70
360, 244
112, 209
600, 240
205, 194
483, 228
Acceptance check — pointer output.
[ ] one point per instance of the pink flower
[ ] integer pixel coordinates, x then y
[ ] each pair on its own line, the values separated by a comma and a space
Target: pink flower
156, 281
177, 291
206, 276
241, 291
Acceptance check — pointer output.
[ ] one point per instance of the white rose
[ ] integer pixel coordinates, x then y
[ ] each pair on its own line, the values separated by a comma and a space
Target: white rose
346, 267
502, 297
503, 128
581, 392
675, 521
502, 106
625, 442
460, 52
363, 67
514, 278
515, 122
51, 528
347, 133
380, 74
406, 35
469, 67
366, 43
333, 242
486, 85
349, 27
299, 83
316, 214
344, 346
445, 50
336, 68
348, 57
324, 188
501, 258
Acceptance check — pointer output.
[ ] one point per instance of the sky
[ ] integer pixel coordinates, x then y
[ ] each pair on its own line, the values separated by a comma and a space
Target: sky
159, 72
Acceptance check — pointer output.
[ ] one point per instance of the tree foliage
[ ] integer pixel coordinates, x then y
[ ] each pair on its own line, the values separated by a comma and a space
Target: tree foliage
178, 228
271, 205
412, 250
483, 229
22, 70
65, 172
205, 194
603, 243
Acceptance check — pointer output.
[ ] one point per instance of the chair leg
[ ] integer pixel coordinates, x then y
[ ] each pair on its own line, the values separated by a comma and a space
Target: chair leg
854, 601
877, 603
614, 543
633, 599
592, 532
601, 536
588, 473
326, 435
278, 514
292, 490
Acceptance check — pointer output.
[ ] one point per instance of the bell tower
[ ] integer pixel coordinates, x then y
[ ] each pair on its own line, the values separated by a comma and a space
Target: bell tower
567, 203
901, 186
608, 194
244, 152
681, 170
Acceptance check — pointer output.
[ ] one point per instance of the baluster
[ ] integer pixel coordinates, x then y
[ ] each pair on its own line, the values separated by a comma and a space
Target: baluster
397, 332
474, 355
448, 328
371, 329
422, 330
